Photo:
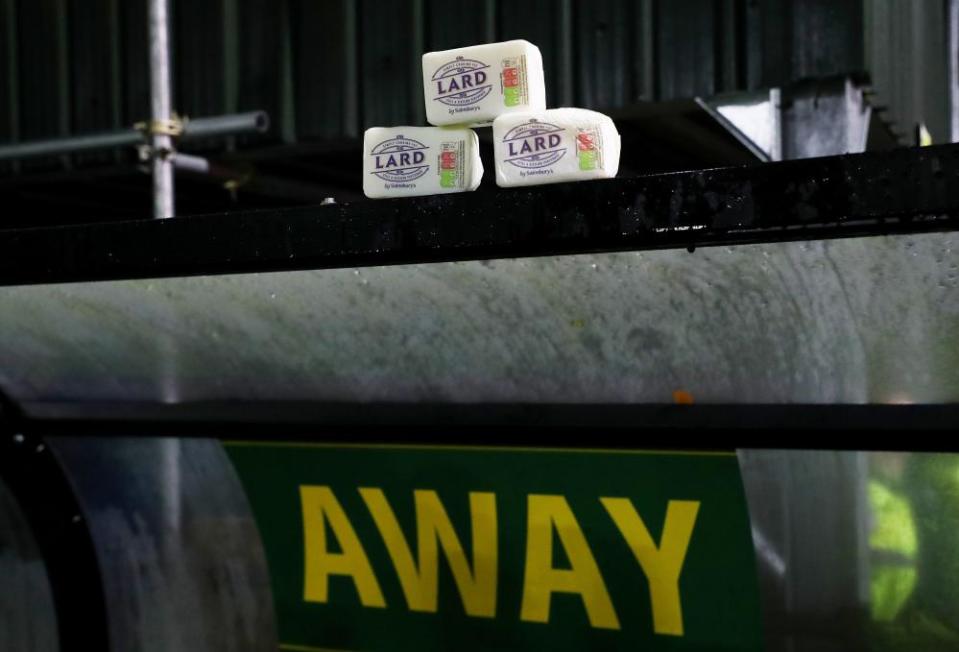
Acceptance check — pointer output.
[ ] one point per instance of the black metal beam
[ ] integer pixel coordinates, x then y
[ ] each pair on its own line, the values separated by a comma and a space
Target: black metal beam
718, 426
901, 191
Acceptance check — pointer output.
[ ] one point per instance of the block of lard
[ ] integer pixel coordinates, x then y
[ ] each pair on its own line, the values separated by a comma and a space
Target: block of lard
554, 146
409, 161
473, 85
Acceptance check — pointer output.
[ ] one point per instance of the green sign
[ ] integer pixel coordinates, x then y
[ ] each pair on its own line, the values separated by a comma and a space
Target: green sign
460, 548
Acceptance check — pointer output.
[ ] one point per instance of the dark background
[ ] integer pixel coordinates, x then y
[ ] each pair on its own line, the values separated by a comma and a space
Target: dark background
325, 70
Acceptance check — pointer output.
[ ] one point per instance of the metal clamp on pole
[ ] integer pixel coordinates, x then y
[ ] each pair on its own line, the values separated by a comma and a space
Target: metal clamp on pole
173, 126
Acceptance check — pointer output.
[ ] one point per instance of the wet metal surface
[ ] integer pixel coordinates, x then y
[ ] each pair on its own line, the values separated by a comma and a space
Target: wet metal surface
179, 554
858, 320
902, 191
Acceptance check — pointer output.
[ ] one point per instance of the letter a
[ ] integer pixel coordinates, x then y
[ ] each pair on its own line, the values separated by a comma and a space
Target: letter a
544, 515
320, 507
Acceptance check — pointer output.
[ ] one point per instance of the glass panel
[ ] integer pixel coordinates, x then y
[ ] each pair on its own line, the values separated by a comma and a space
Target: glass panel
856, 550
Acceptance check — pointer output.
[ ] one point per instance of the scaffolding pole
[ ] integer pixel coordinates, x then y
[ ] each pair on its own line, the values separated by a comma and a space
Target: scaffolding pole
161, 109
221, 125
160, 133
953, 32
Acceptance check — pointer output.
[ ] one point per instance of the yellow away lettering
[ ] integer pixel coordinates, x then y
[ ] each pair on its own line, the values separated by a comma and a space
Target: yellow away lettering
419, 579
320, 506
544, 513
662, 564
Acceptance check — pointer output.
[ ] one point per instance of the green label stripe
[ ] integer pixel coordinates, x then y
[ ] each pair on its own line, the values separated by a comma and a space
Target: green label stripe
588, 159
476, 548
448, 178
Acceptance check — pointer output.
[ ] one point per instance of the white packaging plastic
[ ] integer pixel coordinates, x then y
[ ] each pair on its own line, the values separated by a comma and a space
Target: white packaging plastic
473, 85
410, 161
554, 146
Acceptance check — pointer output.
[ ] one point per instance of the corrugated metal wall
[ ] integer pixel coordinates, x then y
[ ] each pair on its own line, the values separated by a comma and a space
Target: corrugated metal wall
326, 69
905, 51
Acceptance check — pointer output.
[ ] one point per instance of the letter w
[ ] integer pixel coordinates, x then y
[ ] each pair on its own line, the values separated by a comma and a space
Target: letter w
420, 580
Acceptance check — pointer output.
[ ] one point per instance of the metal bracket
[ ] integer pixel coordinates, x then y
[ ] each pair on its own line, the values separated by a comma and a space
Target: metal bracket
147, 153
174, 126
